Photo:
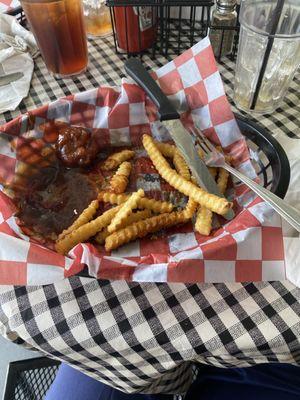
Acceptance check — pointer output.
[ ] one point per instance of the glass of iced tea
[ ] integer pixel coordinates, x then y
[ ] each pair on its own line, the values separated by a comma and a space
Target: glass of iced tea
97, 18
59, 29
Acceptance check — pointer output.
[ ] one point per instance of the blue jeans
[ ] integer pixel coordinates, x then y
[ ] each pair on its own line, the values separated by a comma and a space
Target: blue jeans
71, 384
261, 382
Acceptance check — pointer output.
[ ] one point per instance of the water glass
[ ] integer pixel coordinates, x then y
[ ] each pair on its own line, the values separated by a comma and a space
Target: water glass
265, 69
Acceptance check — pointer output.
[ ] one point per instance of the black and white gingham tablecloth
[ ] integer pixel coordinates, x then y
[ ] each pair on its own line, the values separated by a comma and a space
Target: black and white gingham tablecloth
144, 337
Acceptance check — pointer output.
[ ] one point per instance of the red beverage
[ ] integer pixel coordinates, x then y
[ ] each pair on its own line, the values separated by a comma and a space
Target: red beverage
135, 27
59, 30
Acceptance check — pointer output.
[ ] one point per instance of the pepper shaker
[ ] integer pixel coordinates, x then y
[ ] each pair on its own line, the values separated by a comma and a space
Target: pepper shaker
223, 15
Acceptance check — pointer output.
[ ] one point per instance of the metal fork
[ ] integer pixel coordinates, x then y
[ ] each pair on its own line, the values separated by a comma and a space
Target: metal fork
214, 158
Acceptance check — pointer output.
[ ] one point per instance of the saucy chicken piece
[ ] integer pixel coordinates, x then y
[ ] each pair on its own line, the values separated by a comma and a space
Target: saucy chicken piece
76, 146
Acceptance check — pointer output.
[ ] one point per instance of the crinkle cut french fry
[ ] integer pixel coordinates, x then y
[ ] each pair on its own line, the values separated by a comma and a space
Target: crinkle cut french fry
84, 232
119, 181
203, 221
200, 153
191, 205
156, 206
86, 215
142, 228
228, 158
190, 208
213, 202
181, 166
171, 151
132, 218
125, 210
137, 216
222, 180
101, 236
113, 198
116, 159
168, 150
212, 170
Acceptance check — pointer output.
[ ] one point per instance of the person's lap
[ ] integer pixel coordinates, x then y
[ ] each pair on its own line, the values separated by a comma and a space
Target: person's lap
262, 382
71, 384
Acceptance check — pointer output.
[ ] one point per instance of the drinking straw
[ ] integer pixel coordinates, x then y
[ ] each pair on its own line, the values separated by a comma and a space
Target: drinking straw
273, 25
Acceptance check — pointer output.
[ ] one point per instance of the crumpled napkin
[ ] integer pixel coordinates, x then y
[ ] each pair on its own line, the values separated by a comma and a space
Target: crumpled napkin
17, 50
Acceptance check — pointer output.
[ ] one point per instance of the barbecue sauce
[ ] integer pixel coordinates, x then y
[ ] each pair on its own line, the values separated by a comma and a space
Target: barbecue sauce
49, 199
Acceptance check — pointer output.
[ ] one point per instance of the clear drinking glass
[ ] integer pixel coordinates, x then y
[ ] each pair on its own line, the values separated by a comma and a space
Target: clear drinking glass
97, 18
256, 18
59, 30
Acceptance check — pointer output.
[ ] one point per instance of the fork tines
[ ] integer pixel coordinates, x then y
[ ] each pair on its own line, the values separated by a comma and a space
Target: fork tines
203, 142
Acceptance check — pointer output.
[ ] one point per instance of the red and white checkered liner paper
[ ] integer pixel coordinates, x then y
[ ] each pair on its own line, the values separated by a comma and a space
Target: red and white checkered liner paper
6, 5
248, 248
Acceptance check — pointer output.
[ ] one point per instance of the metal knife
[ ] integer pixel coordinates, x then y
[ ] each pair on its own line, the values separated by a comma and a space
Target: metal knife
6, 79
171, 120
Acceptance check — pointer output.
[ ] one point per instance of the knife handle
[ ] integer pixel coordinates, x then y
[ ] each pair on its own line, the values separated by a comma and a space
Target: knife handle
140, 75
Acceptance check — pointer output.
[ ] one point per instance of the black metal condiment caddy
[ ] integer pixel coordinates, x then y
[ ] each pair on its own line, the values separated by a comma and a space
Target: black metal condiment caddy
179, 24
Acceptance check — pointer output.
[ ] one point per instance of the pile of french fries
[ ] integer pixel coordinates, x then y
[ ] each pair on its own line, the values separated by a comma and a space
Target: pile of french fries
134, 215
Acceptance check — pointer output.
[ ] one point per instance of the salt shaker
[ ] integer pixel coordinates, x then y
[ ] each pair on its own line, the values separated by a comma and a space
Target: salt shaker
224, 14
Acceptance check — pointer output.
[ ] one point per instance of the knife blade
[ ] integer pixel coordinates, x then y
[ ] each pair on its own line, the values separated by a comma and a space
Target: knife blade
6, 79
189, 152
171, 120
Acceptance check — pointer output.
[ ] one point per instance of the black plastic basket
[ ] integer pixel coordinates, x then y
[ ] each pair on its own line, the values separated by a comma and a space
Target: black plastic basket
268, 157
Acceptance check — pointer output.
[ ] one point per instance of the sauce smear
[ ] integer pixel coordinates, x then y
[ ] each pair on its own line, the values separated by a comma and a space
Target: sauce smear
51, 198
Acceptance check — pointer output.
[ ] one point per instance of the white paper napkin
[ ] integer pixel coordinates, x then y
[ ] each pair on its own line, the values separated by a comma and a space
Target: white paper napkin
291, 236
17, 51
